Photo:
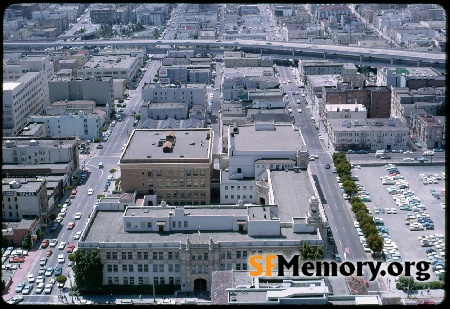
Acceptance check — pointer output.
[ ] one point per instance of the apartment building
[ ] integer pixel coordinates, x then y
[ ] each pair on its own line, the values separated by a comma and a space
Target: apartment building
191, 94
429, 129
370, 134
30, 157
66, 107
13, 70
24, 198
175, 165
21, 98
238, 59
411, 77
97, 89
162, 111
121, 67
324, 67
80, 124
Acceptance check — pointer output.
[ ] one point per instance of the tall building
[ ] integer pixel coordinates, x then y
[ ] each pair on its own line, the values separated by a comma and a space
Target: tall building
98, 89
21, 98
13, 70
175, 165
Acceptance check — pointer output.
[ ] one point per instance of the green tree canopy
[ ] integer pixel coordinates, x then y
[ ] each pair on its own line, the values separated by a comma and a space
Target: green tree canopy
26, 241
88, 270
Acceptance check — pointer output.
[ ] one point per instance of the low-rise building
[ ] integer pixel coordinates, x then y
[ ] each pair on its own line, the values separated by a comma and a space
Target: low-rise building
429, 129
24, 198
175, 165
121, 66
410, 77
191, 94
97, 89
370, 134
238, 59
161, 111
80, 124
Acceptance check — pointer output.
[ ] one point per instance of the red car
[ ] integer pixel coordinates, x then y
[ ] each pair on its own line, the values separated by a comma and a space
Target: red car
70, 248
17, 259
426, 302
49, 252
71, 225
74, 192
44, 243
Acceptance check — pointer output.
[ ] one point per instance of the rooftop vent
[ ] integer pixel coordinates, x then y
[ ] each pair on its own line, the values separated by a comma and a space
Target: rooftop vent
33, 142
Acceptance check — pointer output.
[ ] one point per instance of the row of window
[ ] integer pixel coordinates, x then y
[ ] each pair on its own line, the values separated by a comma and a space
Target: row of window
175, 173
114, 268
369, 134
143, 255
181, 184
144, 280
243, 187
362, 140
238, 196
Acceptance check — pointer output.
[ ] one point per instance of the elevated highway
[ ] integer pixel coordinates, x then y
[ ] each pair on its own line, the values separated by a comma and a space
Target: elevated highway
274, 46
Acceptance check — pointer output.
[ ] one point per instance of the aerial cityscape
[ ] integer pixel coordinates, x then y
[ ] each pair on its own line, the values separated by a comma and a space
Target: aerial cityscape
224, 154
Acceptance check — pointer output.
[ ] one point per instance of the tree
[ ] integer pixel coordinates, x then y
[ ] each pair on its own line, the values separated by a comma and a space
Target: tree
369, 230
69, 187
306, 251
112, 171
52, 217
61, 279
88, 270
343, 168
350, 187
360, 215
96, 140
375, 242
26, 241
355, 199
155, 79
71, 256
137, 117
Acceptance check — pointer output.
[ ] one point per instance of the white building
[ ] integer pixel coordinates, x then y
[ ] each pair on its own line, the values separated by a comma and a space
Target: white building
372, 134
249, 157
24, 198
81, 124
161, 111
195, 241
121, 67
21, 98
191, 94
12, 71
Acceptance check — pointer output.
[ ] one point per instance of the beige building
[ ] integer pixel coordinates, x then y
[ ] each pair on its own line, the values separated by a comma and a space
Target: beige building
175, 165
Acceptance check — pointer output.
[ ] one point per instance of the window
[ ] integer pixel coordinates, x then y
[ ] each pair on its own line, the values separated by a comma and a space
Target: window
155, 268
149, 224
177, 268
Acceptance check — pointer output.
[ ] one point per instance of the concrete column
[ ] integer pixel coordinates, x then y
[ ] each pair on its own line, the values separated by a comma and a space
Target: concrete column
292, 53
392, 61
360, 58
324, 55
418, 63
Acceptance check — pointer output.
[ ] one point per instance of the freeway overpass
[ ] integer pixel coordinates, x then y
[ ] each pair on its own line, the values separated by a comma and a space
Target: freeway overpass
355, 51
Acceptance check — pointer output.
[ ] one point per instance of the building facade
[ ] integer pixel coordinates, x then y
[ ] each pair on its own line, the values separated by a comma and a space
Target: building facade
175, 165
98, 89
191, 94
24, 198
81, 124
21, 98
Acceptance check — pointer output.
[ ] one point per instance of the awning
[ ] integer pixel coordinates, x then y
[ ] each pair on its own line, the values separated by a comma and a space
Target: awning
161, 223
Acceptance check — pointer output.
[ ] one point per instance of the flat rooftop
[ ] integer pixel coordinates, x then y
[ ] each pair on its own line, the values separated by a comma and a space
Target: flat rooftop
144, 144
283, 138
110, 61
292, 192
108, 227
41, 142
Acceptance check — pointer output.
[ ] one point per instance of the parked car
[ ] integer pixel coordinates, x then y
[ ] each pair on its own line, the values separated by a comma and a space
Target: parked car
45, 243
14, 300
20, 287
361, 151
40, 287
27, 289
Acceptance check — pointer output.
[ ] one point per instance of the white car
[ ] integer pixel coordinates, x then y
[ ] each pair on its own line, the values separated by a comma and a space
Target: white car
320, 137
53, 242
61, 258
48, 288
90, 191
40, 279
30, 278
62, 245
77, 216
40, 287
77, 235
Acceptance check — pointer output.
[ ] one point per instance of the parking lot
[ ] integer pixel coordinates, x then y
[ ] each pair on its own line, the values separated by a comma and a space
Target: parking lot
406, 240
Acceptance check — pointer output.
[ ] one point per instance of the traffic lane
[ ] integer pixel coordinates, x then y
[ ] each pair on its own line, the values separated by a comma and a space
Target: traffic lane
346, 229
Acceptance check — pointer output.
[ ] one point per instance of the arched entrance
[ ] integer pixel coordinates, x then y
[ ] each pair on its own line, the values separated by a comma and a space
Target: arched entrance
200, 285
262, 201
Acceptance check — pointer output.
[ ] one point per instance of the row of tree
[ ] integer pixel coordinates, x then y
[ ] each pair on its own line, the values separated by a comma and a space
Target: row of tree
360, 210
